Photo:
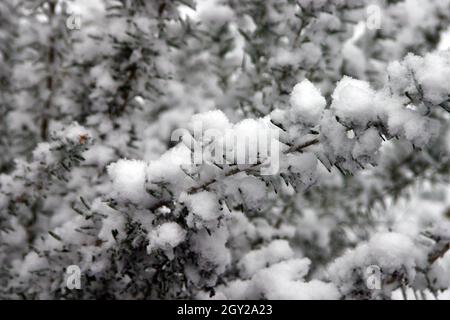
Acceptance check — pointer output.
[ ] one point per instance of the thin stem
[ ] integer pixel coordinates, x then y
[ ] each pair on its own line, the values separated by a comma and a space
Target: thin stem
237, 170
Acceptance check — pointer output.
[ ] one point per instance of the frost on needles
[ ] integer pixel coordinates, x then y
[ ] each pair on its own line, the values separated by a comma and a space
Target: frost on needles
202, 201
102, 128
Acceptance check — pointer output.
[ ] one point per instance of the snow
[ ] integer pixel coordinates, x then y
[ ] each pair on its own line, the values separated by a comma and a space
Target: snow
32, 262
312, 3
368, 144
254, 191
282, 281
353, 101
14, 237
445, 295
439, 273
417, 129
103, 78
166, 237
213, 252
128, 178
285, 57
99, 155
355, 59
213, 13
138, 192
391, 252
276, 251
113, 221
42, 153
168, 169
307, 102
304, 164
444, 43
74, 133
210, 120
203, 209
86, 7
431, 72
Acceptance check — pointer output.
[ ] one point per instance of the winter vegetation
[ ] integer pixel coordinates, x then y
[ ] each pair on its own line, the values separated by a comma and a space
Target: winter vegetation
225, 149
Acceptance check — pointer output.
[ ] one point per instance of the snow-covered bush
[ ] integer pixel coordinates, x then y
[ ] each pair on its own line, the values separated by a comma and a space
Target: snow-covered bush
222, 149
